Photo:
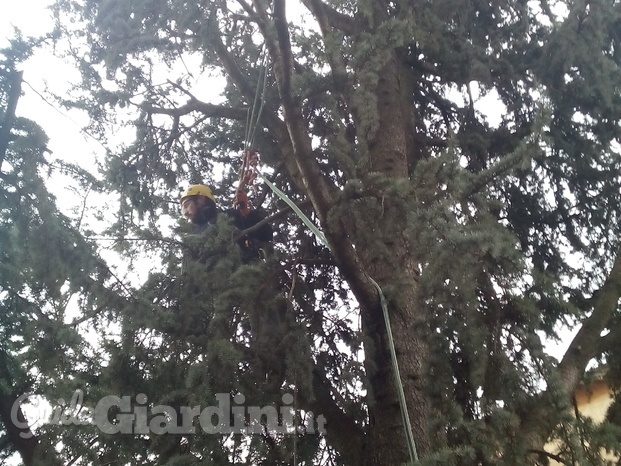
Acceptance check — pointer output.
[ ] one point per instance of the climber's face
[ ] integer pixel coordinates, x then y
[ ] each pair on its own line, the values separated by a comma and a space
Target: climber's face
197, 209
189, 207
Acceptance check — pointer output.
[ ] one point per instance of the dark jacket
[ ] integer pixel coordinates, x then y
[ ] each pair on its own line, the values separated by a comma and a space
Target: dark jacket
252, 243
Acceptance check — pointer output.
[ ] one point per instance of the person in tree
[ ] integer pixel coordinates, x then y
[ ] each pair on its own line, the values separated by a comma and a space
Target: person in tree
262, 304
198, 205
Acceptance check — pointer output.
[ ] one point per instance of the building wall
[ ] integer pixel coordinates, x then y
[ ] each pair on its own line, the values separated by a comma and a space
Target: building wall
593, 400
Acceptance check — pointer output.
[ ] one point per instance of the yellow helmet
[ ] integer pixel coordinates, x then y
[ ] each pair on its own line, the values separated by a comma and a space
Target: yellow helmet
196, 190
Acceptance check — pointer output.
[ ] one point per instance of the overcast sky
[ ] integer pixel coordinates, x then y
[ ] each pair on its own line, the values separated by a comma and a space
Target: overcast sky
41, 73
44, 73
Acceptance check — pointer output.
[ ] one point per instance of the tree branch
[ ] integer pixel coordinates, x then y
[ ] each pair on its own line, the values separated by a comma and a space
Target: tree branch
248, 9
586, 343
543, 453
328, 17
300, 159
326, 22
281, 213
344, 432
15, 82
194, 105
284, 50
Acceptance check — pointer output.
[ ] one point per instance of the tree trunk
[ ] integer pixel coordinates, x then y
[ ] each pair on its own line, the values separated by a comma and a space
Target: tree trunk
395, 266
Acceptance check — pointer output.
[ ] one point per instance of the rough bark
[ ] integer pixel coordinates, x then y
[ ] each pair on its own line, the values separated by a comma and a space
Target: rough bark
389, 157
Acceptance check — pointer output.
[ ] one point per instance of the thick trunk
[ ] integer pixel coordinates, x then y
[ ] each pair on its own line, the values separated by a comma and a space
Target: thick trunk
396, 268
355, 252
387, 436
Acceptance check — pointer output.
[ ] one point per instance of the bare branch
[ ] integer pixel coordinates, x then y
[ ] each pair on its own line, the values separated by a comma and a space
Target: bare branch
587, 341
343, 428
328, 17
248, 9
193, 105
284, 49
547, 454
281, 213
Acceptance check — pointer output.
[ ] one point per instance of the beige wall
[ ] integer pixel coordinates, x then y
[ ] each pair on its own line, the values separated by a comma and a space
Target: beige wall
593, 401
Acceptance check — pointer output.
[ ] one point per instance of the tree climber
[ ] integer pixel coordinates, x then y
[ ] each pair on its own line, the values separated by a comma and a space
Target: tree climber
259, 305
198, 205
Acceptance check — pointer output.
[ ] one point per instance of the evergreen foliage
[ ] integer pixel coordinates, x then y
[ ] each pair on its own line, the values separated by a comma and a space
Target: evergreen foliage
53, 287
486, 234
